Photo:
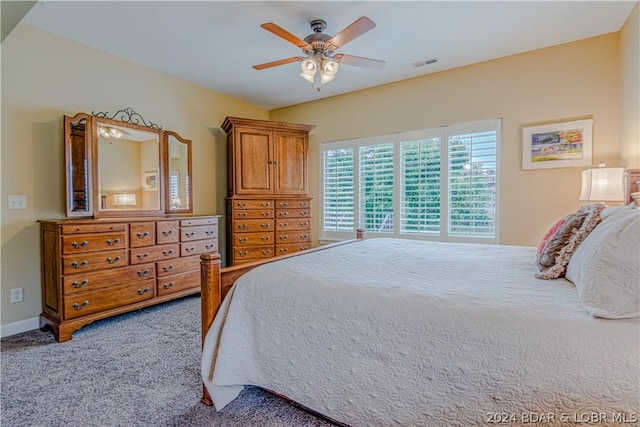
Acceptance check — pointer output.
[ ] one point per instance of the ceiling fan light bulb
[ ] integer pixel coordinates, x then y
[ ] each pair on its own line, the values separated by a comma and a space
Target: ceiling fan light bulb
307, 77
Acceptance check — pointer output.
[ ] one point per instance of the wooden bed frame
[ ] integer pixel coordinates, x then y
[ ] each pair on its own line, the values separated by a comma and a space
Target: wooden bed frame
216, 282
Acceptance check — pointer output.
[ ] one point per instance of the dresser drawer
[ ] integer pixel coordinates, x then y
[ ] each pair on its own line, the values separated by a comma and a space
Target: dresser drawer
188, 234
177, 265
292, 213
92, 228
90, 261
253, 252
249, 225
178, 282
198, 221
85, 303
292, 248
253, 239
93, 242
293, 224
142, 234
88, 281
252, 204
167, 232
252, 214
293, 204
155, 253
199, 247
293, 236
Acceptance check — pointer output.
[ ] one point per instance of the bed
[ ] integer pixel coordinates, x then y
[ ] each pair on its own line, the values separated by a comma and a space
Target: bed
430, 333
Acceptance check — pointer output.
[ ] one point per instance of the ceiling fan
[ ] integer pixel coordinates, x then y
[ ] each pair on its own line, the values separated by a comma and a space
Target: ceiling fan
320, 63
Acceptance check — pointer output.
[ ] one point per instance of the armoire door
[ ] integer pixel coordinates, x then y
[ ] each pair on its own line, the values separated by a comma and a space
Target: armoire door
252, 156
290, 163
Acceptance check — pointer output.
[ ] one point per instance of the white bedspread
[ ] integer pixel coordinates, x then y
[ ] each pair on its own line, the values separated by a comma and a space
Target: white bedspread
397, 332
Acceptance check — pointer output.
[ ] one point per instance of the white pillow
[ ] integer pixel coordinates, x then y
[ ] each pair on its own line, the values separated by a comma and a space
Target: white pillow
607, 212
606, 267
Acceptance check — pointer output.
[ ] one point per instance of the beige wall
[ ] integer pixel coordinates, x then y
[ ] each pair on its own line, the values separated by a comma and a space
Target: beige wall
571, 81
45, 77
630, 60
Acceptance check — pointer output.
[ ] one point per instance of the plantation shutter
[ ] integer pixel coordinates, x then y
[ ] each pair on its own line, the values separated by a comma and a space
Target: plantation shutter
472, 161
337, 192
376, 180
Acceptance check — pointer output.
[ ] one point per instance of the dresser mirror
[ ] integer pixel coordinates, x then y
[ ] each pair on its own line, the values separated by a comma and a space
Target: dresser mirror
121, 166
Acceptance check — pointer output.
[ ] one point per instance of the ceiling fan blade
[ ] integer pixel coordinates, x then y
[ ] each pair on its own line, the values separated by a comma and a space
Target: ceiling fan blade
281, 32
278, 62
359, 61
356, 29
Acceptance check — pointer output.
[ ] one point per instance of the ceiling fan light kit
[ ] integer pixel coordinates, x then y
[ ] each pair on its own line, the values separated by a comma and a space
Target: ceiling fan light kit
320, 63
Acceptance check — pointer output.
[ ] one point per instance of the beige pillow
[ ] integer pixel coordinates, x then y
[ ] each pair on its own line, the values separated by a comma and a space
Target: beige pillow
553, 258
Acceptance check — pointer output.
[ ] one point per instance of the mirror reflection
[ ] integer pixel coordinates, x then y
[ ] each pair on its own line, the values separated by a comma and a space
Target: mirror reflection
128, 168
178, 173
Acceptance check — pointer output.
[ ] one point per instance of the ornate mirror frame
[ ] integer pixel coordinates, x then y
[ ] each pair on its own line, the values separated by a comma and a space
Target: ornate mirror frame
83, 133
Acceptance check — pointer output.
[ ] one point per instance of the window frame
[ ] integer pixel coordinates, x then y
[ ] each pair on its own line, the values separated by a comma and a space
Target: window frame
443, 133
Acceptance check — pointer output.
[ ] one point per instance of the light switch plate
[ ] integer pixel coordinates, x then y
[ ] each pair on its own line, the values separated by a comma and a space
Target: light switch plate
17, 202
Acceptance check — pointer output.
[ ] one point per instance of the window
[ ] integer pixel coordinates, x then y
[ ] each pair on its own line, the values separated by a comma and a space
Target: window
438, 184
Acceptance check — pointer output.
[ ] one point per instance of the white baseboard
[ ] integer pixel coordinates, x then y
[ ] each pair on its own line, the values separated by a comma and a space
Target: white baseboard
20, 326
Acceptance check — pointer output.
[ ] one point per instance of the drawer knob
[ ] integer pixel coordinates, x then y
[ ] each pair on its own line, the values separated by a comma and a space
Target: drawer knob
304, 236
190, 233
243, 239
167, 232
265, 214
284, 237
304, 212
143, 256
243, 226
211, 246
167, 252
113, 242
265, 204
284, 204
243, 253
75, 283
144, 291
265, 226
142, 235
304, 204
191, 249
168, 285
265, 238
81, 245
285, 213
209, 233
167, 267
284, 250
304, 224
284, 224
80, 306
143, 272
242, 214
266, 251
242, 205
113, 260
75, 264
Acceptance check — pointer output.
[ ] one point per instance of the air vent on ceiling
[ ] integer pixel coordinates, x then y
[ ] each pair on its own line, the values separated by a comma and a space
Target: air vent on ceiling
424, 62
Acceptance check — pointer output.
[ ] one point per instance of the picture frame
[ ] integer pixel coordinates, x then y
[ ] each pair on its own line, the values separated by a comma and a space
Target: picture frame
150, 181
557, 145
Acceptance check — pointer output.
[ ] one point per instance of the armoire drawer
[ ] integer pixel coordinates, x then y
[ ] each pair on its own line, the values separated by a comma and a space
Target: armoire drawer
292, 248
250, 225
253, 239
293, 236
253, 252
293, 224
85, 303
252, 204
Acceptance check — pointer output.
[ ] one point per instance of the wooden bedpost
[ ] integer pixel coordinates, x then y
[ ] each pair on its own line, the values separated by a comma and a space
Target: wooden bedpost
210, 297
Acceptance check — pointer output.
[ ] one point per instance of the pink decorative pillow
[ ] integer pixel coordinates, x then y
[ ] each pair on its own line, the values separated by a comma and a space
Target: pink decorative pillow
554, 255
548, 235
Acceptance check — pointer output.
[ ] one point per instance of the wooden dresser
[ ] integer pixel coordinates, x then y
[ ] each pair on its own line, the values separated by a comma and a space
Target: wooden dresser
96, 268
268, 203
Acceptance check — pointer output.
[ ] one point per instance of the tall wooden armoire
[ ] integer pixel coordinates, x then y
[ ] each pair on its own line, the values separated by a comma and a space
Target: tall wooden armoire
268, 203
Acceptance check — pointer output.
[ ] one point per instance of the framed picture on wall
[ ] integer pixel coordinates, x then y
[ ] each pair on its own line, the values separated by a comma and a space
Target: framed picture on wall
151, 181
557, 145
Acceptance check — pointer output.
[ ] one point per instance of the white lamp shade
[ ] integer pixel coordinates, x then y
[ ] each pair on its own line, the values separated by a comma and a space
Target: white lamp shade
124, 199
603, 185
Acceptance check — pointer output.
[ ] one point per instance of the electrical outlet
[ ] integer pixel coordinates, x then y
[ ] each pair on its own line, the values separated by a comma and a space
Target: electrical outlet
17, 202
17, 295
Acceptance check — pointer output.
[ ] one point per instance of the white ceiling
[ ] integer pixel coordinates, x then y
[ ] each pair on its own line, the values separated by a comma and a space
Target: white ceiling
215, 43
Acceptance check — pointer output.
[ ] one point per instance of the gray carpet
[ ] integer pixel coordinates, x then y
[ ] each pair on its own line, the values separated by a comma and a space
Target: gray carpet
137, 369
